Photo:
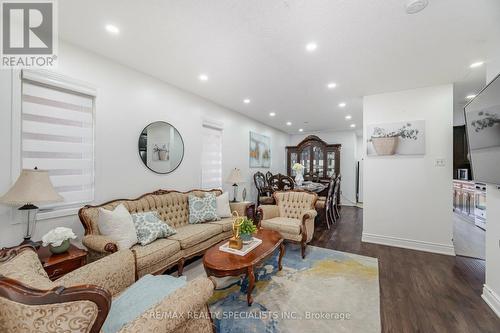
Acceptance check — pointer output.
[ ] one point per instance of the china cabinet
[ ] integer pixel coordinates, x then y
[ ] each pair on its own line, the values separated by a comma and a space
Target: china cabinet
321, 160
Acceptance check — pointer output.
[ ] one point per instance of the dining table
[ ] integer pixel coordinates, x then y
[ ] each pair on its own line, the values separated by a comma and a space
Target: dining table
312, 186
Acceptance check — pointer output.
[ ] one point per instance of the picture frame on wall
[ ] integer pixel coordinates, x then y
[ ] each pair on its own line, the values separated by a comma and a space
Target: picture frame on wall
398, 138
259, 151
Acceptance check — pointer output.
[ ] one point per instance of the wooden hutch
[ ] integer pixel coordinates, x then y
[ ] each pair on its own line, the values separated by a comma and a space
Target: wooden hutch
318, 158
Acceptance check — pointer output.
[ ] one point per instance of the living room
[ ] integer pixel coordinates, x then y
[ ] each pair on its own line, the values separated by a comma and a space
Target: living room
267, 113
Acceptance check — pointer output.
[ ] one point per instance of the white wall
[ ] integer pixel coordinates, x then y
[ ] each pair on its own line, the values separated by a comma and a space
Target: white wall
491, 290
407, 200
347, 159
126, 102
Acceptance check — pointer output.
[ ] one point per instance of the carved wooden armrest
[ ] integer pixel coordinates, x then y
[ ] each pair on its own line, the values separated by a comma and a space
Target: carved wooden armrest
308, 214
20, 293
100, 243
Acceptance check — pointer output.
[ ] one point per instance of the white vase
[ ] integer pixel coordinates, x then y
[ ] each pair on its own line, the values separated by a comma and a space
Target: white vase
299, 179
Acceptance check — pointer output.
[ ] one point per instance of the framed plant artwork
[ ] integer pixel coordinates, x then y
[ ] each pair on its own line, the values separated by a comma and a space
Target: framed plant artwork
259, 151
401, 138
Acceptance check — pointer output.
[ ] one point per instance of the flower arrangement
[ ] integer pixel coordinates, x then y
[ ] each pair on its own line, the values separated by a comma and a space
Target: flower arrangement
297, 167
405, 132
58, 238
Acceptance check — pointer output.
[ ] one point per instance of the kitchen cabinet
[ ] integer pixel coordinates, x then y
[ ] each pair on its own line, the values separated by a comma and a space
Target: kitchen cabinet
464, 198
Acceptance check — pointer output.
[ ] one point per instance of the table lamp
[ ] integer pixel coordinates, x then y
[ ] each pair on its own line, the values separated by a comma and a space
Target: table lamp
235, 178
32, 186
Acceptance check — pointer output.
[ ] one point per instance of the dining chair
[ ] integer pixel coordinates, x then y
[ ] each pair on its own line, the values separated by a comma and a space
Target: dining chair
286, 183
268, 176
336, 197
325, 206
264, 192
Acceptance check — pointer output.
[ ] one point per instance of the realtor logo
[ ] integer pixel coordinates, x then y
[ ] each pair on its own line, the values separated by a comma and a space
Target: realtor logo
29, 36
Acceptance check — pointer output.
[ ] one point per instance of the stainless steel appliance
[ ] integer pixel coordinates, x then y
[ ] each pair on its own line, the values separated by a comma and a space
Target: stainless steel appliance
480, 205
463, 174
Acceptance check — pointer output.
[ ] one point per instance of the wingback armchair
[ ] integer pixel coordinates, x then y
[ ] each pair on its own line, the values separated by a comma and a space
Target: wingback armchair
292, 216
80, 301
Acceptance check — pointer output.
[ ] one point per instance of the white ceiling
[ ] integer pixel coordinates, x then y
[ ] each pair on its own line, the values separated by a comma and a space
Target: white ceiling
256, 49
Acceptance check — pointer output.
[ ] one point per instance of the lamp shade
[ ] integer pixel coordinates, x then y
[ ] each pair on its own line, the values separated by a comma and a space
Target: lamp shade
32, 186
235, 177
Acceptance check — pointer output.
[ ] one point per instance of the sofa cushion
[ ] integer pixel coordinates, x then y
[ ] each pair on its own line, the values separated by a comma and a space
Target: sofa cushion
227, 223
157, 251
192, 234
223, 208
283, 224
150, 227
202, 209
118, 225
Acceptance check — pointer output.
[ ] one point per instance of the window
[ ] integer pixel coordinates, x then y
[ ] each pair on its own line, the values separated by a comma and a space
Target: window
211, 158
57, 134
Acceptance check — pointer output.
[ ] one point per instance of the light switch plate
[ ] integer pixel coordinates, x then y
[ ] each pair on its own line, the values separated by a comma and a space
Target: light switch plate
440, 162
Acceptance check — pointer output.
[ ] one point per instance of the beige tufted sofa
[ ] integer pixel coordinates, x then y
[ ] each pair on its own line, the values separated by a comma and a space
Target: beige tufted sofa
189, 241
293, 216
80, 301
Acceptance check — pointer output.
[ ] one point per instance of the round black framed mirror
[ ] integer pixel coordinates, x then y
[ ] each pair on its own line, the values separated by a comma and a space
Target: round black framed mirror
161, 147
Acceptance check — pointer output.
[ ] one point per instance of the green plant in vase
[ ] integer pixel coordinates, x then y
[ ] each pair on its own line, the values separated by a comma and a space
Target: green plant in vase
247, 228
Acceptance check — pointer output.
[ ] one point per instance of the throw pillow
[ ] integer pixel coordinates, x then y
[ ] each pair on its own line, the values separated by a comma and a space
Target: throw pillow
117, 225
202, 209
149, 227
223, 208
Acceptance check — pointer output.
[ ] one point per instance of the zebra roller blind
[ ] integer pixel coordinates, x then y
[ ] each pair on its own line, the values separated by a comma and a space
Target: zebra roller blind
58, 136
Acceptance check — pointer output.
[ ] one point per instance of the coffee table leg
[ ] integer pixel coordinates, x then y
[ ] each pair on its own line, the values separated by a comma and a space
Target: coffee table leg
282, 253
251, 284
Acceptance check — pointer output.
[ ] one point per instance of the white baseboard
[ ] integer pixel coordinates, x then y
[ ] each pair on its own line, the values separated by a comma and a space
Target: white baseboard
492, 299
409, 244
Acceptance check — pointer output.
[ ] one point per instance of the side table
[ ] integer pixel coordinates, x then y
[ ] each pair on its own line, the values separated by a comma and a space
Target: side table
57, 265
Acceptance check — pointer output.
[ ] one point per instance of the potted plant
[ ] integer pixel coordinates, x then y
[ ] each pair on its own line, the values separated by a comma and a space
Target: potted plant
247, 228
386, 143
299, 177
58, 239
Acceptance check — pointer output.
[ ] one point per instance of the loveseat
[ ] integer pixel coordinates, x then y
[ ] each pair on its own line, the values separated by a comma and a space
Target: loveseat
172, 206
80, 301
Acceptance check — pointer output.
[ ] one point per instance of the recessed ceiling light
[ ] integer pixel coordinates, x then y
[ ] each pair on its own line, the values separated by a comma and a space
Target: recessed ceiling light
203, 77
272, 114
246, 101
301, 130
311, 47
331, 85
476, 64
470, 96
415, 6
342, 105
353, 125
348, 117
288, 123
112, 29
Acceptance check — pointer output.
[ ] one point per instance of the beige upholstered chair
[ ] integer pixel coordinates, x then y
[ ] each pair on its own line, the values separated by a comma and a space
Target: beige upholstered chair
80, 301
293, 216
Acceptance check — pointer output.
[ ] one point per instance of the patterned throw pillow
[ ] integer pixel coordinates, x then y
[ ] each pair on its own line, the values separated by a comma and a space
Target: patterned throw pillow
149, 227
202, 209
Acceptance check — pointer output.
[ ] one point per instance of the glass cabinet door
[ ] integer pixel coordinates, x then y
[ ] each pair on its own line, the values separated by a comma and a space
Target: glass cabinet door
330, 163
318, 166
305, 160
293, 160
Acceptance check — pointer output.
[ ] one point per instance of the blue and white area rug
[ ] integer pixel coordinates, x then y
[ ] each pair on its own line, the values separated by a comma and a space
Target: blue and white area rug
328, 291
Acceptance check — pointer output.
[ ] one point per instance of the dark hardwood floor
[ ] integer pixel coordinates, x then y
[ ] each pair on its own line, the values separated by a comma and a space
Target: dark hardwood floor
419, 291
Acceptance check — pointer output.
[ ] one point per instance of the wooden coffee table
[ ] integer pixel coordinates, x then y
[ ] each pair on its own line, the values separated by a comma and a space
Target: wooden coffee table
220, 264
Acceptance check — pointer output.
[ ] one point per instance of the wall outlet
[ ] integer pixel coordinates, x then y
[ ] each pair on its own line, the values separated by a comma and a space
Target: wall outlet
440, 163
